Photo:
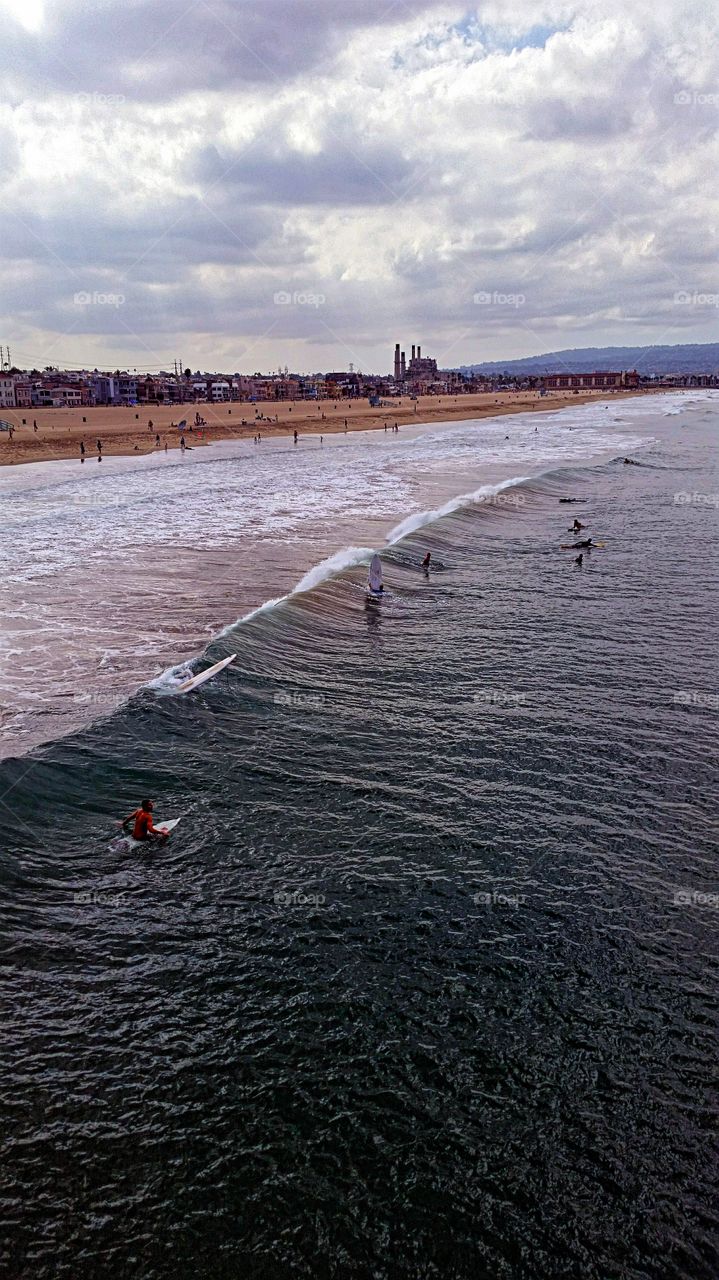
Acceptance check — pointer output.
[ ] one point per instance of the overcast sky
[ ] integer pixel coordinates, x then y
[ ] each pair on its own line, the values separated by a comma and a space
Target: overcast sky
305, 182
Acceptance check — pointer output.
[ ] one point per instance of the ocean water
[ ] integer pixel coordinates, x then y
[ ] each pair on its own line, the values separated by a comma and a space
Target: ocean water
425, 983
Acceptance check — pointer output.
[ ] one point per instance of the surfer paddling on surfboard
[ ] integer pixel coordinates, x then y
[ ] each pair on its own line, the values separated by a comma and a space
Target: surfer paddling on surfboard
143, 828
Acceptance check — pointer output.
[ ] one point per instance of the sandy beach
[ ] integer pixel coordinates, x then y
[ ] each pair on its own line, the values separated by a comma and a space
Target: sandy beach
126, 430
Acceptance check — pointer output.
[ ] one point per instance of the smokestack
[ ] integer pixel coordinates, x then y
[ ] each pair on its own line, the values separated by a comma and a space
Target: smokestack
419, 353
413, 353
403, 365
396, 362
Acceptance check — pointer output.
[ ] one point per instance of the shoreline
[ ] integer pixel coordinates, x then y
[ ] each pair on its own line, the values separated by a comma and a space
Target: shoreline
125, 431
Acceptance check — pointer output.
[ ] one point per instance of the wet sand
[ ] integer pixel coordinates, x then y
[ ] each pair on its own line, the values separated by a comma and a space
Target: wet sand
124, 431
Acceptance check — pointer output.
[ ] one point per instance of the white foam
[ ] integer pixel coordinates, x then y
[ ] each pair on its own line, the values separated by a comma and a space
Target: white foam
422, 518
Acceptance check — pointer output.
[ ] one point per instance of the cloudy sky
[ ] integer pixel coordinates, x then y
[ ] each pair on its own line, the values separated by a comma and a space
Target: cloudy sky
244, 185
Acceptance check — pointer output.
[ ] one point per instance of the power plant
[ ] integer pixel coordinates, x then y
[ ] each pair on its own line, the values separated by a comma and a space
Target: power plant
418, 369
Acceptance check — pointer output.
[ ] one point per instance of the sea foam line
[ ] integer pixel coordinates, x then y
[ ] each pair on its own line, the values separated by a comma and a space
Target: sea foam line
331, 566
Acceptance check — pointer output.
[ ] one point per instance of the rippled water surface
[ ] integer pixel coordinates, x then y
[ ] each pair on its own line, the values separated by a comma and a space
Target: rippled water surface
425, 984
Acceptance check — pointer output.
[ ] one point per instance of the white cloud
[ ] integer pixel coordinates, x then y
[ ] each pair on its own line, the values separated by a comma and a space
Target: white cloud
397, 160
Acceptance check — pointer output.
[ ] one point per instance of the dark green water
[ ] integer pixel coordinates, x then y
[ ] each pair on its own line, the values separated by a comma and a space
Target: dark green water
425, 985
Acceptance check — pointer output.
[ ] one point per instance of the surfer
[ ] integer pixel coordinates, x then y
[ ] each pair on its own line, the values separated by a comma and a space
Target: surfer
143, 828
576, 527
425, 562
586, 545
375, 586
579, 559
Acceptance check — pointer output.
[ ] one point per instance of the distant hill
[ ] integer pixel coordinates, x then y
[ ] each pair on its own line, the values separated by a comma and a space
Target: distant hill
689, 358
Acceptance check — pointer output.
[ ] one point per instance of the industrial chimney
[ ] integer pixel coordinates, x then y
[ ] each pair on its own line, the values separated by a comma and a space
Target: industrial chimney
396, 362
403, 365
419, 353
413, 352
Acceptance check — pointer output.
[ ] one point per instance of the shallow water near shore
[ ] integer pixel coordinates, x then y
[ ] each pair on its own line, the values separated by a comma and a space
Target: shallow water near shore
115, 573
425, 982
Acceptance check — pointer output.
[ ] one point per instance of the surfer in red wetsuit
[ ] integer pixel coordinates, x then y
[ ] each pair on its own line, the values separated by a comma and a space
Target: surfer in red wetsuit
142, 820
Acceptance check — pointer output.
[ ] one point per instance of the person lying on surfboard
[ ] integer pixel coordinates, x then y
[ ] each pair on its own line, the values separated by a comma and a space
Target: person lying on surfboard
142, 819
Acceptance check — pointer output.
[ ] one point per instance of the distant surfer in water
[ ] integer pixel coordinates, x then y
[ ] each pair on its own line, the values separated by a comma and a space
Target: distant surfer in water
143, 828
425, 562
579, 559
576, 527
586, 545
375, 586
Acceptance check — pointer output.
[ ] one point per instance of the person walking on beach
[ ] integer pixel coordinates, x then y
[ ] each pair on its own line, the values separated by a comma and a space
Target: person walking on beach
82, 450
182, 443
157, 440
295, 434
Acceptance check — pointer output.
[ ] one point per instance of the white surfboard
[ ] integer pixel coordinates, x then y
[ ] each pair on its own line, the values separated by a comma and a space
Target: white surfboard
128, 842
196, 681
374, 585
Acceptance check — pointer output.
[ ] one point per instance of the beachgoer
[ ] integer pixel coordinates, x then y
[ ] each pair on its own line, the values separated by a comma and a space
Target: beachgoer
141, 819
183, 446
